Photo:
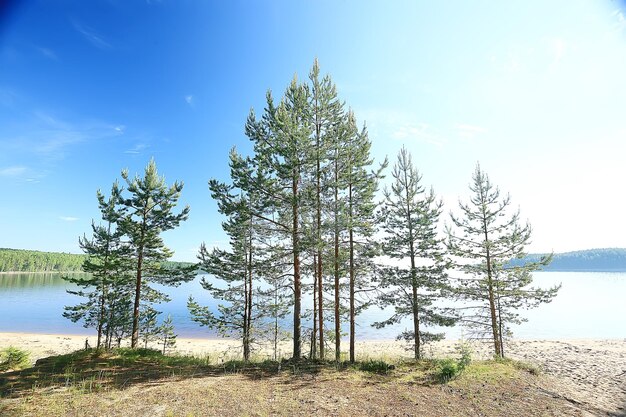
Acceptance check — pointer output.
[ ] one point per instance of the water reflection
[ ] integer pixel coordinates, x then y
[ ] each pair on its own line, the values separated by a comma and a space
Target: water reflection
589, 305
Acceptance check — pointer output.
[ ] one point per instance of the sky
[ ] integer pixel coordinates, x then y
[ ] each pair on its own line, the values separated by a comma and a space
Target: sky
534, 91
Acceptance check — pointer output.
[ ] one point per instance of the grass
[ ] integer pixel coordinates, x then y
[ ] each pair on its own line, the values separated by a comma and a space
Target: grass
145, 382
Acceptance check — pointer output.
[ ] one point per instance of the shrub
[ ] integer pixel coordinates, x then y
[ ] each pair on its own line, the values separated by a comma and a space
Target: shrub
447, 369
465, 353
12, 358
378, 367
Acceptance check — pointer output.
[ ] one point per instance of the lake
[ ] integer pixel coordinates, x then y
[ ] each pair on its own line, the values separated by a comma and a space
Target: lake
589, 305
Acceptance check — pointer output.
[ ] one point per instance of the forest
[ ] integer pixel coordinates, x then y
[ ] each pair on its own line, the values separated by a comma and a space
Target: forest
306, 218
19, 260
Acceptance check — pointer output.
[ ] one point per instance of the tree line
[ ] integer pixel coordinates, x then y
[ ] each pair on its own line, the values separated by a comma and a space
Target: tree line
303, 220
19, 260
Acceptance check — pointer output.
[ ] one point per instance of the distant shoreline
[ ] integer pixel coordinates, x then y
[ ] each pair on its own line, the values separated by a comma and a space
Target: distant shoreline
40, 272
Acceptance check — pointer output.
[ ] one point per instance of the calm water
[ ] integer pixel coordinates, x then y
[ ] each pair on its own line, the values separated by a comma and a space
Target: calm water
589, 305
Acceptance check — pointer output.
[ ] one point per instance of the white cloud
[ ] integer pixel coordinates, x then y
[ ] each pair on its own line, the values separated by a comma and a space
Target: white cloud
44, 139
620, 20
467, 131
421, 132
138, 148
189, 99
48, 53
68, 218
13, 171
94, 38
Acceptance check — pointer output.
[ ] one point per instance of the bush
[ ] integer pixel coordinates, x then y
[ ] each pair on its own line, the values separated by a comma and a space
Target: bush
378, 367
12, 358
450, 368
447, 369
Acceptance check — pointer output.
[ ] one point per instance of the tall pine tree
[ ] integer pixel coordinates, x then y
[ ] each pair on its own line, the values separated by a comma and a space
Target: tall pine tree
107, 265
409, 219
486, 238
149, 212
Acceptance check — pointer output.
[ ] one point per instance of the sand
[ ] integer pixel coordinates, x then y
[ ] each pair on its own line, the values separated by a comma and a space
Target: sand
588, 372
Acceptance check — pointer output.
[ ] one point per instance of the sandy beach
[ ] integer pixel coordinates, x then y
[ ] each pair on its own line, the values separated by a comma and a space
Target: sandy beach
589, 372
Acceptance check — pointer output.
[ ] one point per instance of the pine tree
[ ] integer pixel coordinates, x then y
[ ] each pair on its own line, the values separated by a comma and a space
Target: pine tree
326, 112
240, 266
361, 187
106, 263
167, 335
409, 219
149, 212
281, 146
486, 239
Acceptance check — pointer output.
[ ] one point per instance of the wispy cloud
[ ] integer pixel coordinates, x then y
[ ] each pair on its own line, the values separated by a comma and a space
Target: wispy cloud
42, 139
620, 19
421, 132
467, 131
13, 171
137, 149
68, 218
48, 53
189, 100
92, 36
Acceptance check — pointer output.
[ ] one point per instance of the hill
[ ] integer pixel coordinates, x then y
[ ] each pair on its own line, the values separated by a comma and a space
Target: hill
590, 260
20, 260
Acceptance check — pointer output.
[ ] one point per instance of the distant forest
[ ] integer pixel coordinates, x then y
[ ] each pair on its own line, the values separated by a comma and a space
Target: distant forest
20, 260
590, 260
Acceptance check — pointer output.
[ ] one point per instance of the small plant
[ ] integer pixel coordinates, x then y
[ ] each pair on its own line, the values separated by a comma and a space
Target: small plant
12, 358
374, 366
447, 370
465, 353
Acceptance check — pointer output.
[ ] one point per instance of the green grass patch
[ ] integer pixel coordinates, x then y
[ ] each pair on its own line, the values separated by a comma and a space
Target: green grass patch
375, 366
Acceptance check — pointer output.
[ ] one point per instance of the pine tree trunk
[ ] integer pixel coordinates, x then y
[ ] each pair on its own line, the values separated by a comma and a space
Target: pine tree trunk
104, 287
135, 334
313, 348
248, 299
320, 298
352, 278
276, 323
296, 271
500, 323
337, 301
414, 300
492, 304
245, 346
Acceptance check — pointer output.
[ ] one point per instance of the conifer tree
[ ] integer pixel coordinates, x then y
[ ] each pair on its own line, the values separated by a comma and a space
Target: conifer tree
240, 267
149, 212
326, 112
107, 265
281, 146
235, 315
487, 237
409, 217
361, 185
166, 332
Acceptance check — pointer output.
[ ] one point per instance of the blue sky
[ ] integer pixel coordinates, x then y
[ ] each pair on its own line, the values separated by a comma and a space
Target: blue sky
533, 90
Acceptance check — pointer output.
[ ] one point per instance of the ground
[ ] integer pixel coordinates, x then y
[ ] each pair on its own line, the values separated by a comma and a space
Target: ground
577, 378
